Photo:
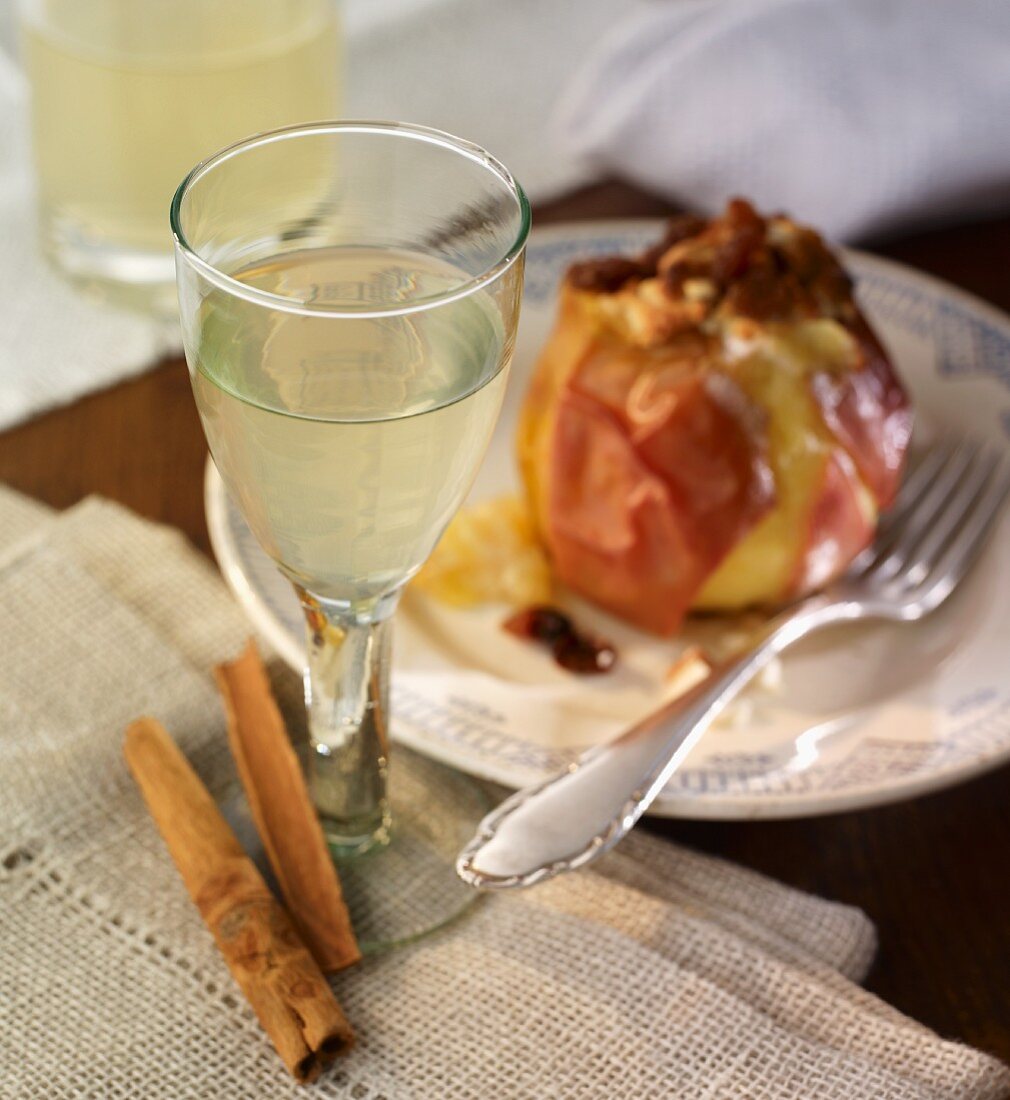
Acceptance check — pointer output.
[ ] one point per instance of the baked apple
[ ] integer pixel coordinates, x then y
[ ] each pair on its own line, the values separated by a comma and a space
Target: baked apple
712, 424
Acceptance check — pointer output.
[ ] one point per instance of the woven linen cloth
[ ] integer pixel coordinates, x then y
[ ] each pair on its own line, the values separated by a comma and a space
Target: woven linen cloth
858, 116
665, 973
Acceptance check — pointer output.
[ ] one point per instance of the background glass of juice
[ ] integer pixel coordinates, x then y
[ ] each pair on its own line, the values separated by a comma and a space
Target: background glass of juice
128, 94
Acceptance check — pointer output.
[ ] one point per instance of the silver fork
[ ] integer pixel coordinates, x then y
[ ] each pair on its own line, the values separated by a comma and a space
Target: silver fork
924, 547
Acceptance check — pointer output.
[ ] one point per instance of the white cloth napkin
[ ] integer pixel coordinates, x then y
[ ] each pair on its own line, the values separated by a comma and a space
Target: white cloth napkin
857, 116
665, 973
486, 70
55, 344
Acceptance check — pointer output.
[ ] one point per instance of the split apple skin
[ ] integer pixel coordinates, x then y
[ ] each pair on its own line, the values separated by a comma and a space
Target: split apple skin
712, 425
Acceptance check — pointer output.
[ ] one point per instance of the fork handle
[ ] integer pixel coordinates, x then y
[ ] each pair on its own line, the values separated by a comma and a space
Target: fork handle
576, 816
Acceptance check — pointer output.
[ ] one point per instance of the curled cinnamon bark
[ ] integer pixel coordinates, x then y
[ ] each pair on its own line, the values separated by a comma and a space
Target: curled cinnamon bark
266, 956
282, 809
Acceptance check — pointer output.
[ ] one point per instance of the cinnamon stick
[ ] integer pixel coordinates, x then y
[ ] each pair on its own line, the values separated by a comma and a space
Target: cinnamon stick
283, 812
271, 964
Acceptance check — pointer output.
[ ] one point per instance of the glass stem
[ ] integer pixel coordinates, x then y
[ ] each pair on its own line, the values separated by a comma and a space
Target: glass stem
347, 697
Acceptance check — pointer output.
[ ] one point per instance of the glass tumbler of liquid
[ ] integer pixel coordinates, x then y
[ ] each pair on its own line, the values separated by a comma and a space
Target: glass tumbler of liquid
128, 94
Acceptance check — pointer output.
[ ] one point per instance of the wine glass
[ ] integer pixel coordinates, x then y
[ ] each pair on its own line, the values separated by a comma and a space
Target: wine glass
349, 294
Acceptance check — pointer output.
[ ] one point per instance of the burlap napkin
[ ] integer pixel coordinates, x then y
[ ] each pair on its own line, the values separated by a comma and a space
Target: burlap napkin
665, 974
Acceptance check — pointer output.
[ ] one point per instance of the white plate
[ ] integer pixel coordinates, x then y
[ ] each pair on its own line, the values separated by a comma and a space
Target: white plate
865, 715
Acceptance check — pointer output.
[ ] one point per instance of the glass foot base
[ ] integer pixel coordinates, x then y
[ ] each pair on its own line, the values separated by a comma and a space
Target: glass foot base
406, 888
403, 889
343, 847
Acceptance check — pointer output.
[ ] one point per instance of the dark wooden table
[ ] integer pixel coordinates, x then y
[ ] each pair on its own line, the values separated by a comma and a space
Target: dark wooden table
933, 873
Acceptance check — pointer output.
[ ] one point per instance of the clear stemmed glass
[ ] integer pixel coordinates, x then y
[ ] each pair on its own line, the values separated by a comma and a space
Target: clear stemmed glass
349, 295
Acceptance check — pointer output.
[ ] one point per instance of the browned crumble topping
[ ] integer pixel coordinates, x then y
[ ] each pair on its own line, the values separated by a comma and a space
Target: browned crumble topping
737, 265
605, 275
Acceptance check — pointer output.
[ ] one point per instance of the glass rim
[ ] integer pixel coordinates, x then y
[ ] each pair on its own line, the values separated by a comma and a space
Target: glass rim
426, 134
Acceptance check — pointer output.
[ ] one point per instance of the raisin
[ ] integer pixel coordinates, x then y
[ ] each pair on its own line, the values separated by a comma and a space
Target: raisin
572, 649
581, 653
678, 229
542, 624
605, 275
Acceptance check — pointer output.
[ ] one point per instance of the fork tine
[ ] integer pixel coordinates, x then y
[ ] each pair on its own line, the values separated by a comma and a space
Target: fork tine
918, 475
969, 539
917, 516
920, 557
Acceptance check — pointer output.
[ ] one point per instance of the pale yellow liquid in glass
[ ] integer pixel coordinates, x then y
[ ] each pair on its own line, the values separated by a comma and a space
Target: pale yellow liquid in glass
349, 444
128, 95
